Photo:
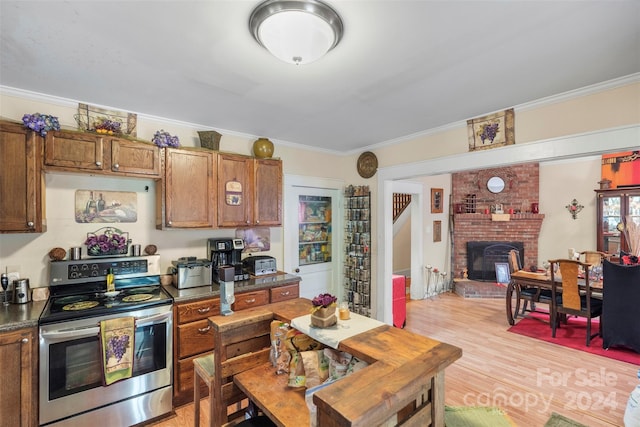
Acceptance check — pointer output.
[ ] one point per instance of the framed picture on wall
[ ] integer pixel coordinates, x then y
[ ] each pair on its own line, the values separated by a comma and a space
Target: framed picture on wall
437, 231
502, 273
436, 200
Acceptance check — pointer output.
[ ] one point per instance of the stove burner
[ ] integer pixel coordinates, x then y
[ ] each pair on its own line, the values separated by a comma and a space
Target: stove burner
70, 299
140, 290
80, 305
137, 297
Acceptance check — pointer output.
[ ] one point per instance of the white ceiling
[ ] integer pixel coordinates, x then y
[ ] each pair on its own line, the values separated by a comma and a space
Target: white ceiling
402, 67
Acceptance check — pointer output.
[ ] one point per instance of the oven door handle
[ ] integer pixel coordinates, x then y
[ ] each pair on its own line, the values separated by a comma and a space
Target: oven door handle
72, 333
150, 320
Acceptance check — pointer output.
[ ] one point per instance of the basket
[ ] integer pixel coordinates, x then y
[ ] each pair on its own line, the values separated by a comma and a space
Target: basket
107, 241
209, 139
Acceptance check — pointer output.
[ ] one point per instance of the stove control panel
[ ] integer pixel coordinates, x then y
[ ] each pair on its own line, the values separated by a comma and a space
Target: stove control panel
91, 270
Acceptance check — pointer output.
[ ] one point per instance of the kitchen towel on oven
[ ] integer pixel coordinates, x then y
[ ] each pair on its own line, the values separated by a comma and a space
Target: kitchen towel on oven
116, 339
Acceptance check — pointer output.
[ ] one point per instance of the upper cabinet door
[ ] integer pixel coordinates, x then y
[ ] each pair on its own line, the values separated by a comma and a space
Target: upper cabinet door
135, 158
186, 198
21, 181
268, 193
235, 190
74, 150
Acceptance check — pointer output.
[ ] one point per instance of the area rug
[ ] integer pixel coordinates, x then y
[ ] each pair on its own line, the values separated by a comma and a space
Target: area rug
558, 420
573, 335
476, 416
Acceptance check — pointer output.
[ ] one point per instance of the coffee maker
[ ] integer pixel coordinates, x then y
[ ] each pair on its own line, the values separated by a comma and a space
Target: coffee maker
226, 252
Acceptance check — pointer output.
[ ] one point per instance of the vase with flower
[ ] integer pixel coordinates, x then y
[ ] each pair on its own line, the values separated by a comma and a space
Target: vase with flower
41, 123
323, 312
164, 139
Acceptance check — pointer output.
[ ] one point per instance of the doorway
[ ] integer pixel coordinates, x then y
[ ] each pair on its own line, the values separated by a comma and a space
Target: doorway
313, 232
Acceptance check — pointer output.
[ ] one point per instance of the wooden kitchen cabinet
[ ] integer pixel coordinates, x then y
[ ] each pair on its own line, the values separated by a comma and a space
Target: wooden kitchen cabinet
186, 197
251, 299
193, 337
22, 202
87, 152
249, 191
19, 385
268, 192
283, 293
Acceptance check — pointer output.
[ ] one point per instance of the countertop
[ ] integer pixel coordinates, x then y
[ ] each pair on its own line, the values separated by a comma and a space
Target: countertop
17, 316
253, 284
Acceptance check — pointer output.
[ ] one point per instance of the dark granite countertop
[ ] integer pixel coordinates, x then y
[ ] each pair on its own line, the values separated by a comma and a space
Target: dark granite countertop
253, 284
18, 316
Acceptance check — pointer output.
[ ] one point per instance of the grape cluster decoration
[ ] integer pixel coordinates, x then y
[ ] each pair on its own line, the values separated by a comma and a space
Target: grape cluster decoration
117, 346
41, 123
165, 139
108, 243
107, 126
489, 131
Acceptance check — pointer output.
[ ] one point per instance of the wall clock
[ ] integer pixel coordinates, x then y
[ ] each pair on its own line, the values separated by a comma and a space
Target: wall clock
367, 164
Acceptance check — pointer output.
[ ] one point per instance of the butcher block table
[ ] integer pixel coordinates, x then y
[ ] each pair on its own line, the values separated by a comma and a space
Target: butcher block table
404, 382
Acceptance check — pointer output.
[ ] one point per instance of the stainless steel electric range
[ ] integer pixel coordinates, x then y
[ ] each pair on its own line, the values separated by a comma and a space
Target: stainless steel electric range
72, 390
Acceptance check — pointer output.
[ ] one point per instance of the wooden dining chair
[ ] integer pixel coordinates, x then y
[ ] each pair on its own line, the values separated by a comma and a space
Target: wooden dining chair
595, 258
570, 298
529, 296
236, 350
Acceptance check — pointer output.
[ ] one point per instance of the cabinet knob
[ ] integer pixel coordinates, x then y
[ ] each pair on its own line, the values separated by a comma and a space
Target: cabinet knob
257, 221
116, 166
297, 270
25, 340
248, 222
169, 223
98, 164
30, 224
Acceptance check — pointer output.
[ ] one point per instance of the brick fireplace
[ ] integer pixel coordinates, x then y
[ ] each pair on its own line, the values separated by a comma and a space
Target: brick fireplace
521, 190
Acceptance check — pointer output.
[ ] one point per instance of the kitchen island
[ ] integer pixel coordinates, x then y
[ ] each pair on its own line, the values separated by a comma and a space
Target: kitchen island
404, 382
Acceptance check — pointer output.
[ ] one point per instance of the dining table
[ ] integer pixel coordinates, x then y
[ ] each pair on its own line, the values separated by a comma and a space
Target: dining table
542, 280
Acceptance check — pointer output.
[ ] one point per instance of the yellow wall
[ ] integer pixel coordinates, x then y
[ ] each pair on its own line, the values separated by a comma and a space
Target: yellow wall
27, 253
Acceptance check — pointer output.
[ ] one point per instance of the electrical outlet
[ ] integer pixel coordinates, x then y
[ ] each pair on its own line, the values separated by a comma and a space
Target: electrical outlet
14, 275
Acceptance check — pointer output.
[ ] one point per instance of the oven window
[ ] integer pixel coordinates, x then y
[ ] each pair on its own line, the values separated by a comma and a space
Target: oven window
76, 365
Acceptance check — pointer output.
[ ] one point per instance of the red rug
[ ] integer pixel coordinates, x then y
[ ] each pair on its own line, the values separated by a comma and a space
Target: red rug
573, 335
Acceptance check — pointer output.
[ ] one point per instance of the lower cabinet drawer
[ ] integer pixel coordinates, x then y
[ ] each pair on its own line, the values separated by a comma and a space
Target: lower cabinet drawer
194, 338
251, 299
284, 293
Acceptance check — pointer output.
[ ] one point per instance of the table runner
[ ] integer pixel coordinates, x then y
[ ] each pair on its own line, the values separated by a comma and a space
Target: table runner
342, 330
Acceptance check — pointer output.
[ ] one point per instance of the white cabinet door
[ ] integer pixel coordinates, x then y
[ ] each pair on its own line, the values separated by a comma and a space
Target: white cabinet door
313, 233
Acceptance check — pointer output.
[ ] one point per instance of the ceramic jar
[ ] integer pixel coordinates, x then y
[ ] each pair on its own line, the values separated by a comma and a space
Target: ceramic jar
263, 148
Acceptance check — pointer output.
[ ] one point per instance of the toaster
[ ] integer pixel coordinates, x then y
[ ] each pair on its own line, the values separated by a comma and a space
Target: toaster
260, 265
190, 272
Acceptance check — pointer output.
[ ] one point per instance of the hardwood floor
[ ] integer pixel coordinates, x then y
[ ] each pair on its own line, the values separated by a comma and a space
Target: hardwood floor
527, 378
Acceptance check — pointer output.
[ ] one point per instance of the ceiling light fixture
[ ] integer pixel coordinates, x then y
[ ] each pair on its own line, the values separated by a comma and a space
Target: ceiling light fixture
296, 31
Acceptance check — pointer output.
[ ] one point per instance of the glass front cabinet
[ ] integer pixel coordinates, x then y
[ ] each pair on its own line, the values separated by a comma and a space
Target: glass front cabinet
615, 207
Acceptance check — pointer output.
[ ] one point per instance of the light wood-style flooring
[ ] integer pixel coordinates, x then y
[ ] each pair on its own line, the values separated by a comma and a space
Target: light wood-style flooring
527, 378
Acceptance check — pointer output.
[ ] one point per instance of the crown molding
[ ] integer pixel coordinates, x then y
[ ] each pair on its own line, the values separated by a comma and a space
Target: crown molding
549, 100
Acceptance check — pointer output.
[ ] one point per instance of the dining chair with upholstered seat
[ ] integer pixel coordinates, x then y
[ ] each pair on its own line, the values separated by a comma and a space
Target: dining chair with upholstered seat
570, 297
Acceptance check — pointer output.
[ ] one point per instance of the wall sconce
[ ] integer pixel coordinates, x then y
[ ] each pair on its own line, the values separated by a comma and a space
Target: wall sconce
574, 207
